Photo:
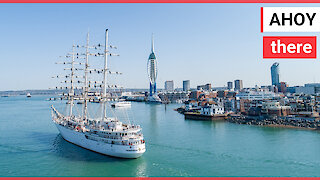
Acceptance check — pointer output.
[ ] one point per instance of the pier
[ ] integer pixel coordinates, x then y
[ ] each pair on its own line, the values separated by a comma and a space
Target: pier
276, 122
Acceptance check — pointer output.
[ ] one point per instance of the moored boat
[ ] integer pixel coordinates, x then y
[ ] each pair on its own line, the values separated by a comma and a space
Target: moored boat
121, 104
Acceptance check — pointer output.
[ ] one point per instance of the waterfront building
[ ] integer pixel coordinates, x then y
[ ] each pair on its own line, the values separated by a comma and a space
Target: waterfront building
271, 88
256, 95
206, 87
192, 105
211, 109
275, 74
244, 105
195, 94
169, 85
303, 103
186, 85
292, 89
316, 87
230, 85
238, 85
174, 97
283, 87
274, 108
124, 94
220, 88
266, 88
312, 85
275, 89
199, 95
300, 106
207, 95
231, 94
229, 104
222, 94
310, 88
134, 96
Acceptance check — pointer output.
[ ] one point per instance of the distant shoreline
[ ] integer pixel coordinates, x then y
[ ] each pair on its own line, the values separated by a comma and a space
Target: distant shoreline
32, 92
48, 92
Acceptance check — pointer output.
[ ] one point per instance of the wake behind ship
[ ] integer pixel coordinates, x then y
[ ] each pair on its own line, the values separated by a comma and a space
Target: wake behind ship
105, 135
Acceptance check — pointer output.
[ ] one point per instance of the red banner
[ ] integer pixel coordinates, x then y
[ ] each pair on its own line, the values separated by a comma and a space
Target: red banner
302, 47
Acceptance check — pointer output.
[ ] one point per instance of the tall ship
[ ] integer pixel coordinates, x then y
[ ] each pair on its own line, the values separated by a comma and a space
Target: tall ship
103, 134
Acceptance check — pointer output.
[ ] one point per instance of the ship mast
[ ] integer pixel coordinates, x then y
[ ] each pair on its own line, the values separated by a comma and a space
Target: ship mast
71, 79
71, 95
86, 89
105, 73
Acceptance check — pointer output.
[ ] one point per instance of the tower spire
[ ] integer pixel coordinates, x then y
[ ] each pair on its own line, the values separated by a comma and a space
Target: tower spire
152, 44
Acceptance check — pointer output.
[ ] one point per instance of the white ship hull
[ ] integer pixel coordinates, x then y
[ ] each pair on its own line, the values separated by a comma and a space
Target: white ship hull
80, 139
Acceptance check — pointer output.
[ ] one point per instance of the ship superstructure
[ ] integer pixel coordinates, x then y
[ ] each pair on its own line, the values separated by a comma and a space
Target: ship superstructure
102, 134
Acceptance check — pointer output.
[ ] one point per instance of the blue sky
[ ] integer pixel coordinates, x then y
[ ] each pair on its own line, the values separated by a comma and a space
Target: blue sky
205, 43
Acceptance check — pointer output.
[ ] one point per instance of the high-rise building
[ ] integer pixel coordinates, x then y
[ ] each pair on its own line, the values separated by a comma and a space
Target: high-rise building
275, 74
238, 85
230, 85
186, 85
169, 86
152, 70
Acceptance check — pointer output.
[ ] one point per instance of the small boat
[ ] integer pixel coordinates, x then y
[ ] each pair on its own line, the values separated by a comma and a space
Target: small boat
28, 95
121, 104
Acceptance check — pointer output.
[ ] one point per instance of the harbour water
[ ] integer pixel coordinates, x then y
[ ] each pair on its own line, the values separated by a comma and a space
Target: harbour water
30, 145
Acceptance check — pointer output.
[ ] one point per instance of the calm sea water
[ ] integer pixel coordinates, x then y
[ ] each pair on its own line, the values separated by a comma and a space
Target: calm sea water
30, 145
